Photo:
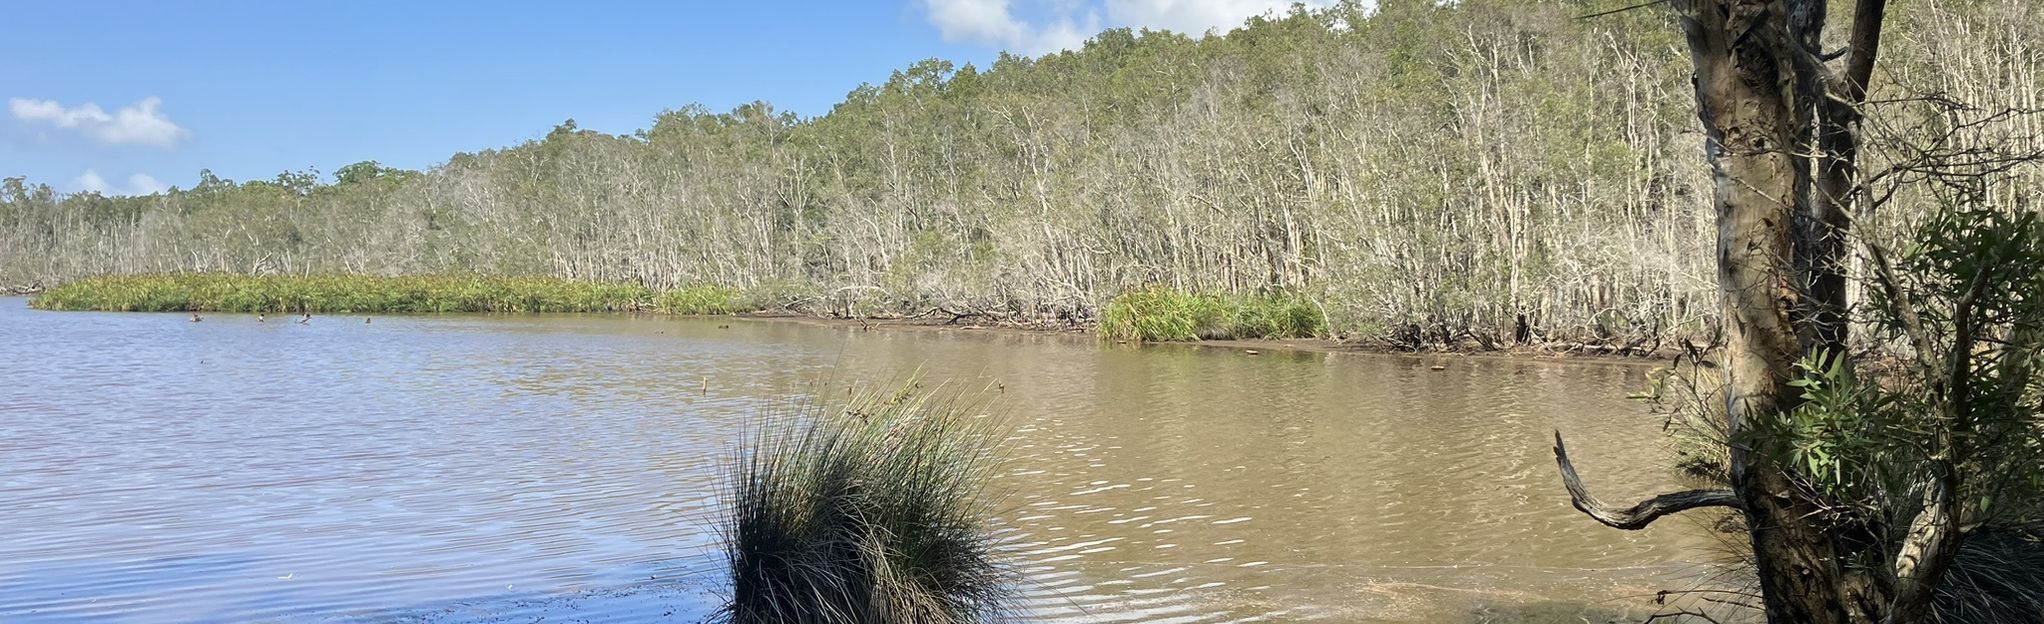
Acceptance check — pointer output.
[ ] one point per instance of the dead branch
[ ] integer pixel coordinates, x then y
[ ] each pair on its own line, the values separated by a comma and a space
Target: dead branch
1682, 613
1638, 516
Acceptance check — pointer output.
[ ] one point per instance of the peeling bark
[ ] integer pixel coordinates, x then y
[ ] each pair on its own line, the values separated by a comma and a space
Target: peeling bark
1768, 103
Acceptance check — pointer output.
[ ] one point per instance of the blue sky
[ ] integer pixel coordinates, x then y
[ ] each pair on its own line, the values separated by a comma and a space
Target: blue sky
126, 97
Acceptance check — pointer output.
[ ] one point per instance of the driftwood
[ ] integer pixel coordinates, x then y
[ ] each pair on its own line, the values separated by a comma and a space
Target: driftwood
1637, 516
960, 315
971, 314
1441, 336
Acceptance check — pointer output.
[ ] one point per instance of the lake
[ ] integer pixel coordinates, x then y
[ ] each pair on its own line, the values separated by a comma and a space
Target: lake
568, 468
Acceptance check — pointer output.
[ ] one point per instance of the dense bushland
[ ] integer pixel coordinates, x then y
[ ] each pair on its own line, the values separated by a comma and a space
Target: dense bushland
1420, 164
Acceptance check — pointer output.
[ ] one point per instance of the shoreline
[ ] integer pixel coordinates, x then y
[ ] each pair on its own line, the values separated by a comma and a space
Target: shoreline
1557, 351
1552, 352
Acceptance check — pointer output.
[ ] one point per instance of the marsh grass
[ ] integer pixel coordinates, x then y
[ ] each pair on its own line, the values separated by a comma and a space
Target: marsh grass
1143, 315
705, 299
220, 292
877, 512
1168, 315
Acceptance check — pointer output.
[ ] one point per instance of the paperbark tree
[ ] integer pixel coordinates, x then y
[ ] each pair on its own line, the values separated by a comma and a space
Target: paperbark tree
1782, 122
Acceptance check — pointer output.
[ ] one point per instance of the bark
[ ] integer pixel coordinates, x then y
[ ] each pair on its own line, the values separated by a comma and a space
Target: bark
1928, 552
1747, 92
1932, 543
1837, 99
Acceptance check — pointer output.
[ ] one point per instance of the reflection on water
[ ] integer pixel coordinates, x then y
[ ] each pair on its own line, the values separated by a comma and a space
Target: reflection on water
514, 468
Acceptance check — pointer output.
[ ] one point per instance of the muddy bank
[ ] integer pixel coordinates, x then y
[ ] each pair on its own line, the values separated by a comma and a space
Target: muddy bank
1556, 350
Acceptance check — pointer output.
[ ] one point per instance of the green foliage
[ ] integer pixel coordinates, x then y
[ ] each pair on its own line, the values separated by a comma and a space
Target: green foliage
1964, 398
1158, 314
1954, 405
876, 512
1843, 435
1278, 316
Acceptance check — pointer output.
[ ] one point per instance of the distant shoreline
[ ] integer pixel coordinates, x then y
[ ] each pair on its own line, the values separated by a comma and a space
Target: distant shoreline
448, 294
1556, 351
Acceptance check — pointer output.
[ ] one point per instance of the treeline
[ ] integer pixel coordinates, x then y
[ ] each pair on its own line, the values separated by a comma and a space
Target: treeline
1442, 165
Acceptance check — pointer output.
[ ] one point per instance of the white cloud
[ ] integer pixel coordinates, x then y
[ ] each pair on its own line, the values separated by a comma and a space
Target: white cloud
1193, 17
90, 182
990, 22
978, 20
142, 184
138, 184
136, 124
1066, 24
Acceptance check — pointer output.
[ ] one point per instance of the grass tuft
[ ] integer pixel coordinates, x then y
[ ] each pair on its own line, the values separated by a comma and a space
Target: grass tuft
875, 513
1158, 314
1998, 577
703, 299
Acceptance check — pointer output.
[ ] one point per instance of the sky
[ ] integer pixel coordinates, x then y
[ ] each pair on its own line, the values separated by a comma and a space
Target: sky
136, 96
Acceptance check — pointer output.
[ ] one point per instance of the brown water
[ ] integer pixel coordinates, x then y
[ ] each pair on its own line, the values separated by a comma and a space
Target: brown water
565, 468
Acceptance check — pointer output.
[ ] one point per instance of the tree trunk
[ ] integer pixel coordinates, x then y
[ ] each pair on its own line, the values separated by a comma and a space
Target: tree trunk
1834, 99
1769, 271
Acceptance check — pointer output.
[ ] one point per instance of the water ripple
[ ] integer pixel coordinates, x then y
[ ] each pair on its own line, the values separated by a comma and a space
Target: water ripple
497, 469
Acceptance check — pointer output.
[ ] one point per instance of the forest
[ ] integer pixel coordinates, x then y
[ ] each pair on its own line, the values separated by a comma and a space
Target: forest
1455, 166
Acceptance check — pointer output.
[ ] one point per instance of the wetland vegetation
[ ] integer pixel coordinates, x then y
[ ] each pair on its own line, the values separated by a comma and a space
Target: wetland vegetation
877, 511
1456, 165
222, 292
417, 294
1857, 252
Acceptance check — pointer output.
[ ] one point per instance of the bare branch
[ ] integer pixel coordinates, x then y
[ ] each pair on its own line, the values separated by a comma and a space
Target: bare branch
1638, 516
1641, 5
1682, 613
1905, 309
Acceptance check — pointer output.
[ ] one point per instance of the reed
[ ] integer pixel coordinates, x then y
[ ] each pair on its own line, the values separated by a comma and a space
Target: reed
874, 513
1158, 314
705, 299
220, 292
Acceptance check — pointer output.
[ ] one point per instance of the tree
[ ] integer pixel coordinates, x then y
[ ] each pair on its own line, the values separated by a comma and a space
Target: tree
1857, 496
1407, 164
